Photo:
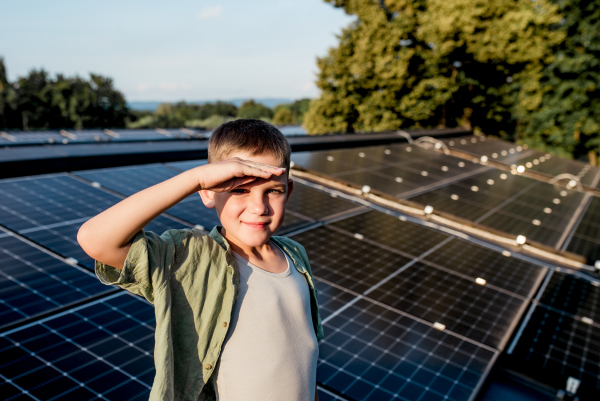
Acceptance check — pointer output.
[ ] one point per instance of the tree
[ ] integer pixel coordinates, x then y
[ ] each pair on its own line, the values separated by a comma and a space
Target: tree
283, 116
38, 101
251, 109
567, 120
427, 63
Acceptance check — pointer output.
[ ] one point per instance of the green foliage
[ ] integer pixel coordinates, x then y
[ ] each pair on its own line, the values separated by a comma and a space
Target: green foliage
37, 101
428, 63
251, 109
568, 118
283, 116
290, 113
182, 114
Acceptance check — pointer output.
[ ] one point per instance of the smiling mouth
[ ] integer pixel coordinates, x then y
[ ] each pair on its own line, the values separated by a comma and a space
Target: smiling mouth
255, 225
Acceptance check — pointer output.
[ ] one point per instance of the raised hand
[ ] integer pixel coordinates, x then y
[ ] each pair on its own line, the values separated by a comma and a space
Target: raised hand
228, 174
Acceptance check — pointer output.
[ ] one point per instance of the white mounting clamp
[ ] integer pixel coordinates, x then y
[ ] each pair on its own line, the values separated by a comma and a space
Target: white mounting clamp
426, 142
573, 181
406, 135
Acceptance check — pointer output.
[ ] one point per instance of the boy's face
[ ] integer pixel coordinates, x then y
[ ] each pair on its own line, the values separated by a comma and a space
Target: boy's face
250, 214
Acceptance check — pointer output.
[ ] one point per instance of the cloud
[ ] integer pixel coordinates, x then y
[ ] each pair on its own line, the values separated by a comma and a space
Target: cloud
143, 87
307, 87
212, 12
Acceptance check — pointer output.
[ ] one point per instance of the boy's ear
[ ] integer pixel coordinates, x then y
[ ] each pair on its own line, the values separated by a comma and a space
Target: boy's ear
208, 198
290, 188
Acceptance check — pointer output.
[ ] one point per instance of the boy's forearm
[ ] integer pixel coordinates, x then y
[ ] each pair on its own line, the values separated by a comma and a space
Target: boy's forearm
107, 236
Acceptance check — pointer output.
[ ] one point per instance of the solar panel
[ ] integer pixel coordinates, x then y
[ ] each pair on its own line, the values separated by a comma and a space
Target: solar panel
509, 153
50, 210
373, 352
393, 169
586, 238
358, 263
100, 350
514, 204
187, 165
32, 282
555, 346
476, 262
409, 238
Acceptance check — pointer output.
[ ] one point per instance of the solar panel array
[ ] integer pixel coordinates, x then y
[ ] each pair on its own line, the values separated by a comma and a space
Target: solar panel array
43, 137
498, 199
515, 155
561, 338
410, 313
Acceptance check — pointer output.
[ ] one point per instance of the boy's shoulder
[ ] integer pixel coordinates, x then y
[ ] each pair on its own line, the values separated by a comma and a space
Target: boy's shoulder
292, 246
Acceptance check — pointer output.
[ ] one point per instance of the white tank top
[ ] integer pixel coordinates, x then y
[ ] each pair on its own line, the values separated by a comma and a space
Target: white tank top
271, 350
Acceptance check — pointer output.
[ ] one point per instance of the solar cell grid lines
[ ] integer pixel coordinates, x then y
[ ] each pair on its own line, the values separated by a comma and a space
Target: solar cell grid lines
389, 231
33, 282
555, 346
573, 295
494, 149
464, 307
511, 203
586, 238
393, 169
372, 352
514, 275
50, 210
346, 261
397, 279
101, 349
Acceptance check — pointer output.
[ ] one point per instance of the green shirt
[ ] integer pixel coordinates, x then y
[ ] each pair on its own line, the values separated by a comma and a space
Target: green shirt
191, 279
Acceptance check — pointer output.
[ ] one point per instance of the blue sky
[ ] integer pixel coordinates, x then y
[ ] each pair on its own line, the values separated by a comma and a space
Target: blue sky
175, 50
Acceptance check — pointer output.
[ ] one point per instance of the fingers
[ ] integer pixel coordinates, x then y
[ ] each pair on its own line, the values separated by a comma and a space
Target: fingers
261, 170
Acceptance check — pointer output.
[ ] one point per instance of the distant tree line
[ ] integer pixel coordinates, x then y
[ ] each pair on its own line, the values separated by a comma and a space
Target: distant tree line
211, 115
38, 101
524, 70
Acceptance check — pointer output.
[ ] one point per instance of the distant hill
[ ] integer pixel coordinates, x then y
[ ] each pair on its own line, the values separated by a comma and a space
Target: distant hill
151, 106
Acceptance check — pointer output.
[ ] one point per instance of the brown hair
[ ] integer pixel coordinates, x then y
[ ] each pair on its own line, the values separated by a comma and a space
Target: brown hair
253, 136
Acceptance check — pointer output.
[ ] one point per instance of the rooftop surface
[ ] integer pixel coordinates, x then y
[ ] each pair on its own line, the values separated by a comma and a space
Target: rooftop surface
447, 270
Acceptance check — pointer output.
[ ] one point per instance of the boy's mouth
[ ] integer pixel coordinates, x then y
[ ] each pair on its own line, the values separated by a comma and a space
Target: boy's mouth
255, 224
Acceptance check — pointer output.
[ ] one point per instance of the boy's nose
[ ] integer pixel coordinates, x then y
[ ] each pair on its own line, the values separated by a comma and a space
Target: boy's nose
258, 205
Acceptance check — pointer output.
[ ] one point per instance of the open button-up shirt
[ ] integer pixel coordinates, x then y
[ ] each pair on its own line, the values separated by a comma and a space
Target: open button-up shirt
192, 280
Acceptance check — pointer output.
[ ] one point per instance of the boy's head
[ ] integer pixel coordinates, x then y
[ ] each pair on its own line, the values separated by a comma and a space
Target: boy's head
253, 137
250, 214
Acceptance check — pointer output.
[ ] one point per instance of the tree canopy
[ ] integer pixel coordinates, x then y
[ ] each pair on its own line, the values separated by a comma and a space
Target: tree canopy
504, 67
39, 101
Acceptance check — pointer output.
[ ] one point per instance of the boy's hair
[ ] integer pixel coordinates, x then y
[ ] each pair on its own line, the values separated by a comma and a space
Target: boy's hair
253, 136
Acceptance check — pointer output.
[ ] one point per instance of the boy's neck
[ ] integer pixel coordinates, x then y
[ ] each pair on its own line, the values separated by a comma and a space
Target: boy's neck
248, 252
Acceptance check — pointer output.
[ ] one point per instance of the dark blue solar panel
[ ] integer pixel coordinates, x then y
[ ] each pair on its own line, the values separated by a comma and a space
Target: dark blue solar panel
102, 350
51, 209
371, 352
586, 239
441, 293
33, 282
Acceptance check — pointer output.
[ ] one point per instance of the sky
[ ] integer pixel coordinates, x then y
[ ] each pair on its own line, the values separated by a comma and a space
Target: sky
175, 50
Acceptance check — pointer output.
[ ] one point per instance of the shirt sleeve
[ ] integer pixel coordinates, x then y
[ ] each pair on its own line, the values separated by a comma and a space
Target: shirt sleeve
148, 264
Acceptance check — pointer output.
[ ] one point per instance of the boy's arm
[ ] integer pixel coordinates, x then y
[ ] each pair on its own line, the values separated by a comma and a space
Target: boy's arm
107, 237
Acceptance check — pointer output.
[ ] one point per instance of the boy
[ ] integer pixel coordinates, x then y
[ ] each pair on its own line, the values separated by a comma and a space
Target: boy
236, 310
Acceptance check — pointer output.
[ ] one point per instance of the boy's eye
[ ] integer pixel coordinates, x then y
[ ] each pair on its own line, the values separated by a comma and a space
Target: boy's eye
238, 191
274, 191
